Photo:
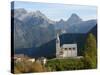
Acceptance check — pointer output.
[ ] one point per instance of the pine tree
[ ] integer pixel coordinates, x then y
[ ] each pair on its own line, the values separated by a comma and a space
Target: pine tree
90, 55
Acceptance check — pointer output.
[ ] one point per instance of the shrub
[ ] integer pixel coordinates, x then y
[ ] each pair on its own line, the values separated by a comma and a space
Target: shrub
65, 64
27, 67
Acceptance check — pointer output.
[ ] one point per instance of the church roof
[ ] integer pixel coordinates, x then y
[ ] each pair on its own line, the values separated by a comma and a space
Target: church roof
68, 45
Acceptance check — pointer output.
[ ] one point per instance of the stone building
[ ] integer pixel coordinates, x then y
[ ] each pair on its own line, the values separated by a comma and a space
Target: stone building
66, 50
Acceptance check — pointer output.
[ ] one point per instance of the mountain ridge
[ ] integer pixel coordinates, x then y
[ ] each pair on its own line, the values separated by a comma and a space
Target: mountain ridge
32, 29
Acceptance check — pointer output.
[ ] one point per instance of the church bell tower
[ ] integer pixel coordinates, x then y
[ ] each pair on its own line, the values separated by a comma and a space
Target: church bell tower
57, 45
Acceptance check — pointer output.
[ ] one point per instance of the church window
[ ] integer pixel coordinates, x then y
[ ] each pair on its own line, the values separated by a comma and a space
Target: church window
69, 48
66, 49
74, 48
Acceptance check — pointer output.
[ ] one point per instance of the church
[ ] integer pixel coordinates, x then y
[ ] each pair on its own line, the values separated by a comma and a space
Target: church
66, 50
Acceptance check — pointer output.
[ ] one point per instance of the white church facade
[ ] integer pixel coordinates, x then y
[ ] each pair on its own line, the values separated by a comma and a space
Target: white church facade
66, 50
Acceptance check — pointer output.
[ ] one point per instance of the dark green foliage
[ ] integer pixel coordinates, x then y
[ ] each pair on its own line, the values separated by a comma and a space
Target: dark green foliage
90, 55
89, 61
65, 64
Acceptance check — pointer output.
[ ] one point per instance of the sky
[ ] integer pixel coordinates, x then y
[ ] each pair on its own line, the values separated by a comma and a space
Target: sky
59, 11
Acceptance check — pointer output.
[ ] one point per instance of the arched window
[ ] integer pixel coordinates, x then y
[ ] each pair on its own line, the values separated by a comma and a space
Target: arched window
66, 48
69, 48
74, 48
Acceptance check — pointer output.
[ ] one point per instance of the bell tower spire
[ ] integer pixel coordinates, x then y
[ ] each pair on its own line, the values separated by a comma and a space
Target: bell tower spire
58, 39
57, 45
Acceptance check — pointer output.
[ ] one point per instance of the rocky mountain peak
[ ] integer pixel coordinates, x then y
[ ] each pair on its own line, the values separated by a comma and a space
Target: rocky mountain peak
74, 18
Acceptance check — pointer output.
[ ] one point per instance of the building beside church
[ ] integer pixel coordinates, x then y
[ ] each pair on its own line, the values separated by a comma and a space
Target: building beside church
66, 50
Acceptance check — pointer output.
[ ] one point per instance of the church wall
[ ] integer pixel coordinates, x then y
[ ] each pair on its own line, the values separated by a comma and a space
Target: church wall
74, 53
70, 53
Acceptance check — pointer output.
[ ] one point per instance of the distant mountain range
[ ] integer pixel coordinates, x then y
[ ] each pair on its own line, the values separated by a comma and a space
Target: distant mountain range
75, 25
33, 29
49, 49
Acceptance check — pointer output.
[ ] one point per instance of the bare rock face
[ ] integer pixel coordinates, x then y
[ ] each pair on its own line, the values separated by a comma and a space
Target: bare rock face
32, 29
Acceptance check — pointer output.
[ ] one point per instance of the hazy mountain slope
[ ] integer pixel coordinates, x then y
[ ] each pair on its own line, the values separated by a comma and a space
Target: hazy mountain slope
49, 49
33, 29
82, 27
75, 25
